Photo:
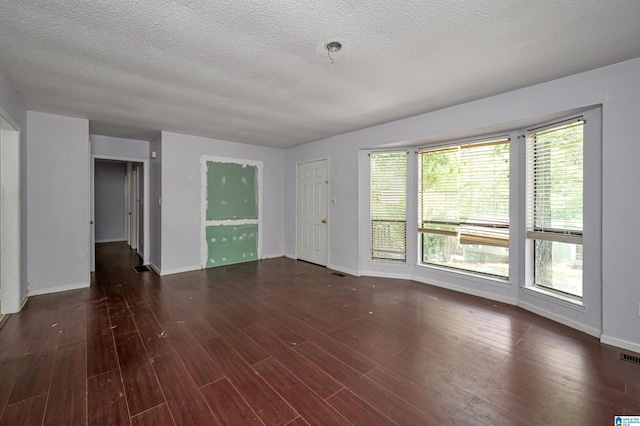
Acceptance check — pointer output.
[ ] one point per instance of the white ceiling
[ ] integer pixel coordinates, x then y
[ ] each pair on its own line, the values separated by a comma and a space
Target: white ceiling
258, 71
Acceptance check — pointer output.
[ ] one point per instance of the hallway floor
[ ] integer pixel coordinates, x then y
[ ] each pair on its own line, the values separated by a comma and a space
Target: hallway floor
280, 342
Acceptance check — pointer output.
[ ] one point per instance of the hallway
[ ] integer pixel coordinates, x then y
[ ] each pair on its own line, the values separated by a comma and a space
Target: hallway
286, 342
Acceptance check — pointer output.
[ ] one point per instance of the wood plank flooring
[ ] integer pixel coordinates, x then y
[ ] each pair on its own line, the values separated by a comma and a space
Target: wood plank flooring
280, 342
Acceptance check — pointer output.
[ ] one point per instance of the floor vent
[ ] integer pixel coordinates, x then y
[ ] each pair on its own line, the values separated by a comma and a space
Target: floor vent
141, 268
630, 358
338, 274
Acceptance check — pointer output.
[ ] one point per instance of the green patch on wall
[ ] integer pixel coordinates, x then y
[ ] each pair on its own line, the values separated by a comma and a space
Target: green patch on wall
229, 244
232, 191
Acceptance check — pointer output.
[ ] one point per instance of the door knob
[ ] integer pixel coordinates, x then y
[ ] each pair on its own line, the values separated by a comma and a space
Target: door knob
324, 220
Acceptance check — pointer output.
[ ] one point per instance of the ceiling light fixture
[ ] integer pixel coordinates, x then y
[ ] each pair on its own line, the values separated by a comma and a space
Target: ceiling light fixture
334, 46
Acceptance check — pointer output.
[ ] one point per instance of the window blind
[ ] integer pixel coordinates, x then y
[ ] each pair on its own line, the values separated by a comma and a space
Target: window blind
464, 192
555, 181
388, 205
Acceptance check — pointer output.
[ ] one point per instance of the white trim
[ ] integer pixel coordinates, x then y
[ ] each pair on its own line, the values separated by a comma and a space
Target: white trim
57, 289
624, 344
155, 268
290, 256
111, 240
344, 270
162, 273
478, 277
386, 275
559, 318
388, 263
466, 290
551, 296
272, 256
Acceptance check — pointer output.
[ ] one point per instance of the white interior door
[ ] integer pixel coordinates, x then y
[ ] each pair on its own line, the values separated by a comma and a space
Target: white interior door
311, 212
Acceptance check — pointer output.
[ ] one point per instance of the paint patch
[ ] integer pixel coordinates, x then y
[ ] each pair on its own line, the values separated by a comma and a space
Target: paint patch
232, 191
225, 247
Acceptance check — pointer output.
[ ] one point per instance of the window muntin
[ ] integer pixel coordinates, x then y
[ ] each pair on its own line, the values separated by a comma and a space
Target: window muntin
464, 206
388, 205
555, 205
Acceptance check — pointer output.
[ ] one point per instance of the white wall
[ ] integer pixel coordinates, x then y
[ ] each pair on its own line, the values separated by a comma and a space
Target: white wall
119, 147
181, 196
155, 209
109, 200
615, 87
13, 106
58, 197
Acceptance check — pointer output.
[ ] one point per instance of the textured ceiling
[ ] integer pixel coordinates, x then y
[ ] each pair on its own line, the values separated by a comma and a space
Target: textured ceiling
258, 71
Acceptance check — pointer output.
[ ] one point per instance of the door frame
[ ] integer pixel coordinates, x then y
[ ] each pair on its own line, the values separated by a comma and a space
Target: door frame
135, 223
132, 223
298, 163
145, 230
10, 216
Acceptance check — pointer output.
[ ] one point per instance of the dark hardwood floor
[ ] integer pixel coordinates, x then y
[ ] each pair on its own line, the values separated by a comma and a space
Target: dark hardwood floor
286, 342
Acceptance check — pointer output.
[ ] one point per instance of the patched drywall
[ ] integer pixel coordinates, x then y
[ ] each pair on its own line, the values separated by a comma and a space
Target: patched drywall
231, 210
232, 191
228, 244
182, 194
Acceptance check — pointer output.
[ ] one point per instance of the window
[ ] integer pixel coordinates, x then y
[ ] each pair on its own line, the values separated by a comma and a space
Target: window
389, 206
464, 206
555, 205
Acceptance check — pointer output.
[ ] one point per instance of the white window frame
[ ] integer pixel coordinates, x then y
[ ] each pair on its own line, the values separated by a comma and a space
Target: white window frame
461, 271
592, 219
371, 248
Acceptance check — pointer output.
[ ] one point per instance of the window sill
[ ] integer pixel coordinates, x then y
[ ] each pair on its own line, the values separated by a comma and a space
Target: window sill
391, 263
485, 279
551, 296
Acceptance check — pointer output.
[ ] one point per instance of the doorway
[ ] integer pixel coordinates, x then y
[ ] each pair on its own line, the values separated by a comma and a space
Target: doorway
126, 217
10, 227
312, 224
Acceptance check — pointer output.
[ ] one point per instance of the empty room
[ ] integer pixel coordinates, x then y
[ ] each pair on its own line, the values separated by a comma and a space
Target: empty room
319, 213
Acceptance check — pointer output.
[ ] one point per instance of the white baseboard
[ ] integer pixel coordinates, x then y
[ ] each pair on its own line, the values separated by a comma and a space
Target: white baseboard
178, 270
397, 276
560, 319
155, 268
291, 256
112, 240
24, 301
466, 290
271, 256
344, 270
624, 344
57, 289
